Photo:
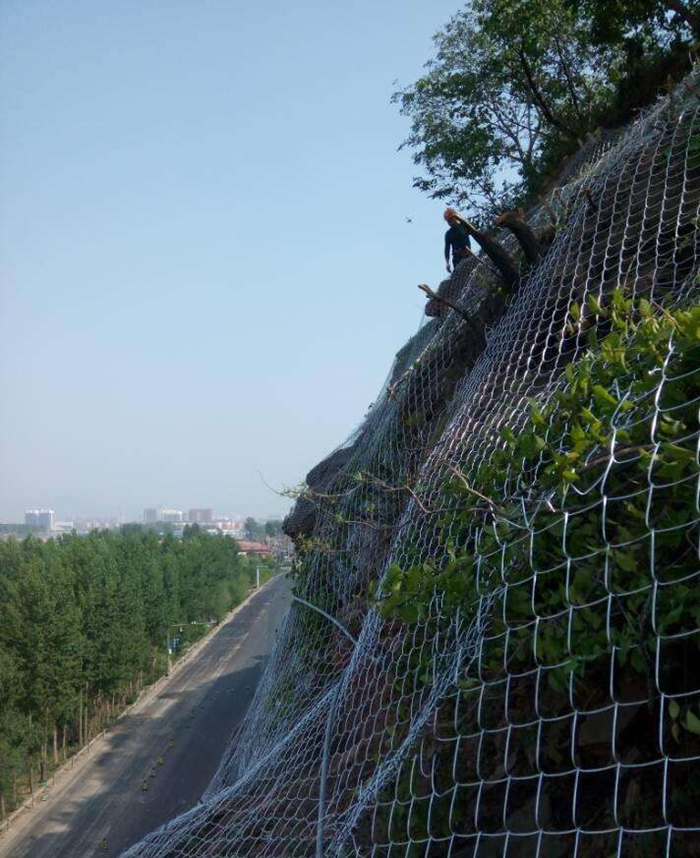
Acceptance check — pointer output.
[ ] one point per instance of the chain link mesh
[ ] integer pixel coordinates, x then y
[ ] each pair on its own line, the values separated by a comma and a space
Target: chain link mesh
519, 720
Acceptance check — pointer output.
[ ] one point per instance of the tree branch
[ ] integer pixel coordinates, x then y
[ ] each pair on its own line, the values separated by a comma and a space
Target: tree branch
463, 480
569, 82
539, 98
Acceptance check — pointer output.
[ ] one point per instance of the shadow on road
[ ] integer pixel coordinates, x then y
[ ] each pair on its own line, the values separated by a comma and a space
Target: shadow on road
139, 785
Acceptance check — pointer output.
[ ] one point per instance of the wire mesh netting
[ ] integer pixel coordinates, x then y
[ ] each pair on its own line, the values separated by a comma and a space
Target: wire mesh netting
494, 646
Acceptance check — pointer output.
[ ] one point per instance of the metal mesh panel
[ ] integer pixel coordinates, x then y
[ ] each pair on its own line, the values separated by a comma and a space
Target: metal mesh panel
554, 708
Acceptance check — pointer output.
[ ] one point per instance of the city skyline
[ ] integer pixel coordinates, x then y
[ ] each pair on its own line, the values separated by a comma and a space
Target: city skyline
39, 516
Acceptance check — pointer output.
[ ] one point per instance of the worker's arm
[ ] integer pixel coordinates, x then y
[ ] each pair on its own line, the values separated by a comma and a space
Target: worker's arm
447, 253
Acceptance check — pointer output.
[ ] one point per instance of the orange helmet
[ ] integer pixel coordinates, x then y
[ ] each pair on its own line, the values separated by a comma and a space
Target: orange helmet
449, 214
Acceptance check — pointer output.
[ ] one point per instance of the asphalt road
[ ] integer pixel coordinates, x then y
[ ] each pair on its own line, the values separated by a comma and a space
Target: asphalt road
171, 744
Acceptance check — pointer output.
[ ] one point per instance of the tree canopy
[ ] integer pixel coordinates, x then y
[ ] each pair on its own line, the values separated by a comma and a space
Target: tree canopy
83, 624
515, 85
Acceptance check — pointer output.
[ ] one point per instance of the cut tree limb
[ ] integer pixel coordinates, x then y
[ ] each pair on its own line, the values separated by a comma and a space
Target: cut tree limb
524, 234
440, 300
496, 252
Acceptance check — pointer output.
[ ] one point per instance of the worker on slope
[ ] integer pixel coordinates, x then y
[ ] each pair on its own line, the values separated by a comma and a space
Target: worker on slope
456, 240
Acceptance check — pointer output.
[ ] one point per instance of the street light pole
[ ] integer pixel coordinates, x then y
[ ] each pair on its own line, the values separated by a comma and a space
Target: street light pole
181, 627
167, 654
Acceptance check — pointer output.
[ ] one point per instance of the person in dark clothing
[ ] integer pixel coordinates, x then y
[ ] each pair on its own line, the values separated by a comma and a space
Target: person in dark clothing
456, 240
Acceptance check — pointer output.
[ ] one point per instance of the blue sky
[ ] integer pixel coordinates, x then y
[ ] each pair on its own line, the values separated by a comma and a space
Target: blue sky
205, 263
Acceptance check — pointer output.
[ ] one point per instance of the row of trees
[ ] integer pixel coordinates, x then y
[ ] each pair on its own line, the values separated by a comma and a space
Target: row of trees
83, 623
257, 530
516, 85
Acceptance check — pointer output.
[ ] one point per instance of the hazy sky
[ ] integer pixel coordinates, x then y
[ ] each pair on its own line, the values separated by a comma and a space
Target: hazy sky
205, 263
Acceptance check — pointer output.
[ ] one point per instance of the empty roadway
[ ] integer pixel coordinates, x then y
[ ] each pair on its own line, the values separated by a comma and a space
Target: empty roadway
170, 744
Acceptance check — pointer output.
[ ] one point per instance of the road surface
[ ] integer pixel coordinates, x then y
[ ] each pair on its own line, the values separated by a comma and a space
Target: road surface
171, 745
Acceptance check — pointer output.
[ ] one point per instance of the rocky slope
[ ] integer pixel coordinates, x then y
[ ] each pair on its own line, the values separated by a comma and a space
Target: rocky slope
493, 643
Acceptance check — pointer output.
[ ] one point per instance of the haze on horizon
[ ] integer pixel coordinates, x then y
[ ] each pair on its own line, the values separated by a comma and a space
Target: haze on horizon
207, 263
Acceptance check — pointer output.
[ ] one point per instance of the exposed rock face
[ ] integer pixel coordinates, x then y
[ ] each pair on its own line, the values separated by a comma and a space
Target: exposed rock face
301, 520
446, 289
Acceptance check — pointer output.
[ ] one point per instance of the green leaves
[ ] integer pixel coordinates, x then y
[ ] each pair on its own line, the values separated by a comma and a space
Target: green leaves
406, 594
683, 718
566, 547
692, 722
494, 102
508, 436
603, 397
594, 305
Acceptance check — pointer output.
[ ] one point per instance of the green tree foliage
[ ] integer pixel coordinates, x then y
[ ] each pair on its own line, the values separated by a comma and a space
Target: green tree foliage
83, 624
273, 527
636, 23
515, 85
13, 723
191, 530
254, 528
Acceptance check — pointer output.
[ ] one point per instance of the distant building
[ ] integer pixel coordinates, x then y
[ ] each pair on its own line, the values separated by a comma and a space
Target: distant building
247, 546
230, 527
200, 516
85, 525
157, 513
42, 519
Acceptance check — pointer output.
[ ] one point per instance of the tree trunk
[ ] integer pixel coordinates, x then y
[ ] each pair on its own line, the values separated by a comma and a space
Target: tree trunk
45, 746
30, 770
14, 788
55, 744
63, 753
80, 720
86, 729
3, 810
